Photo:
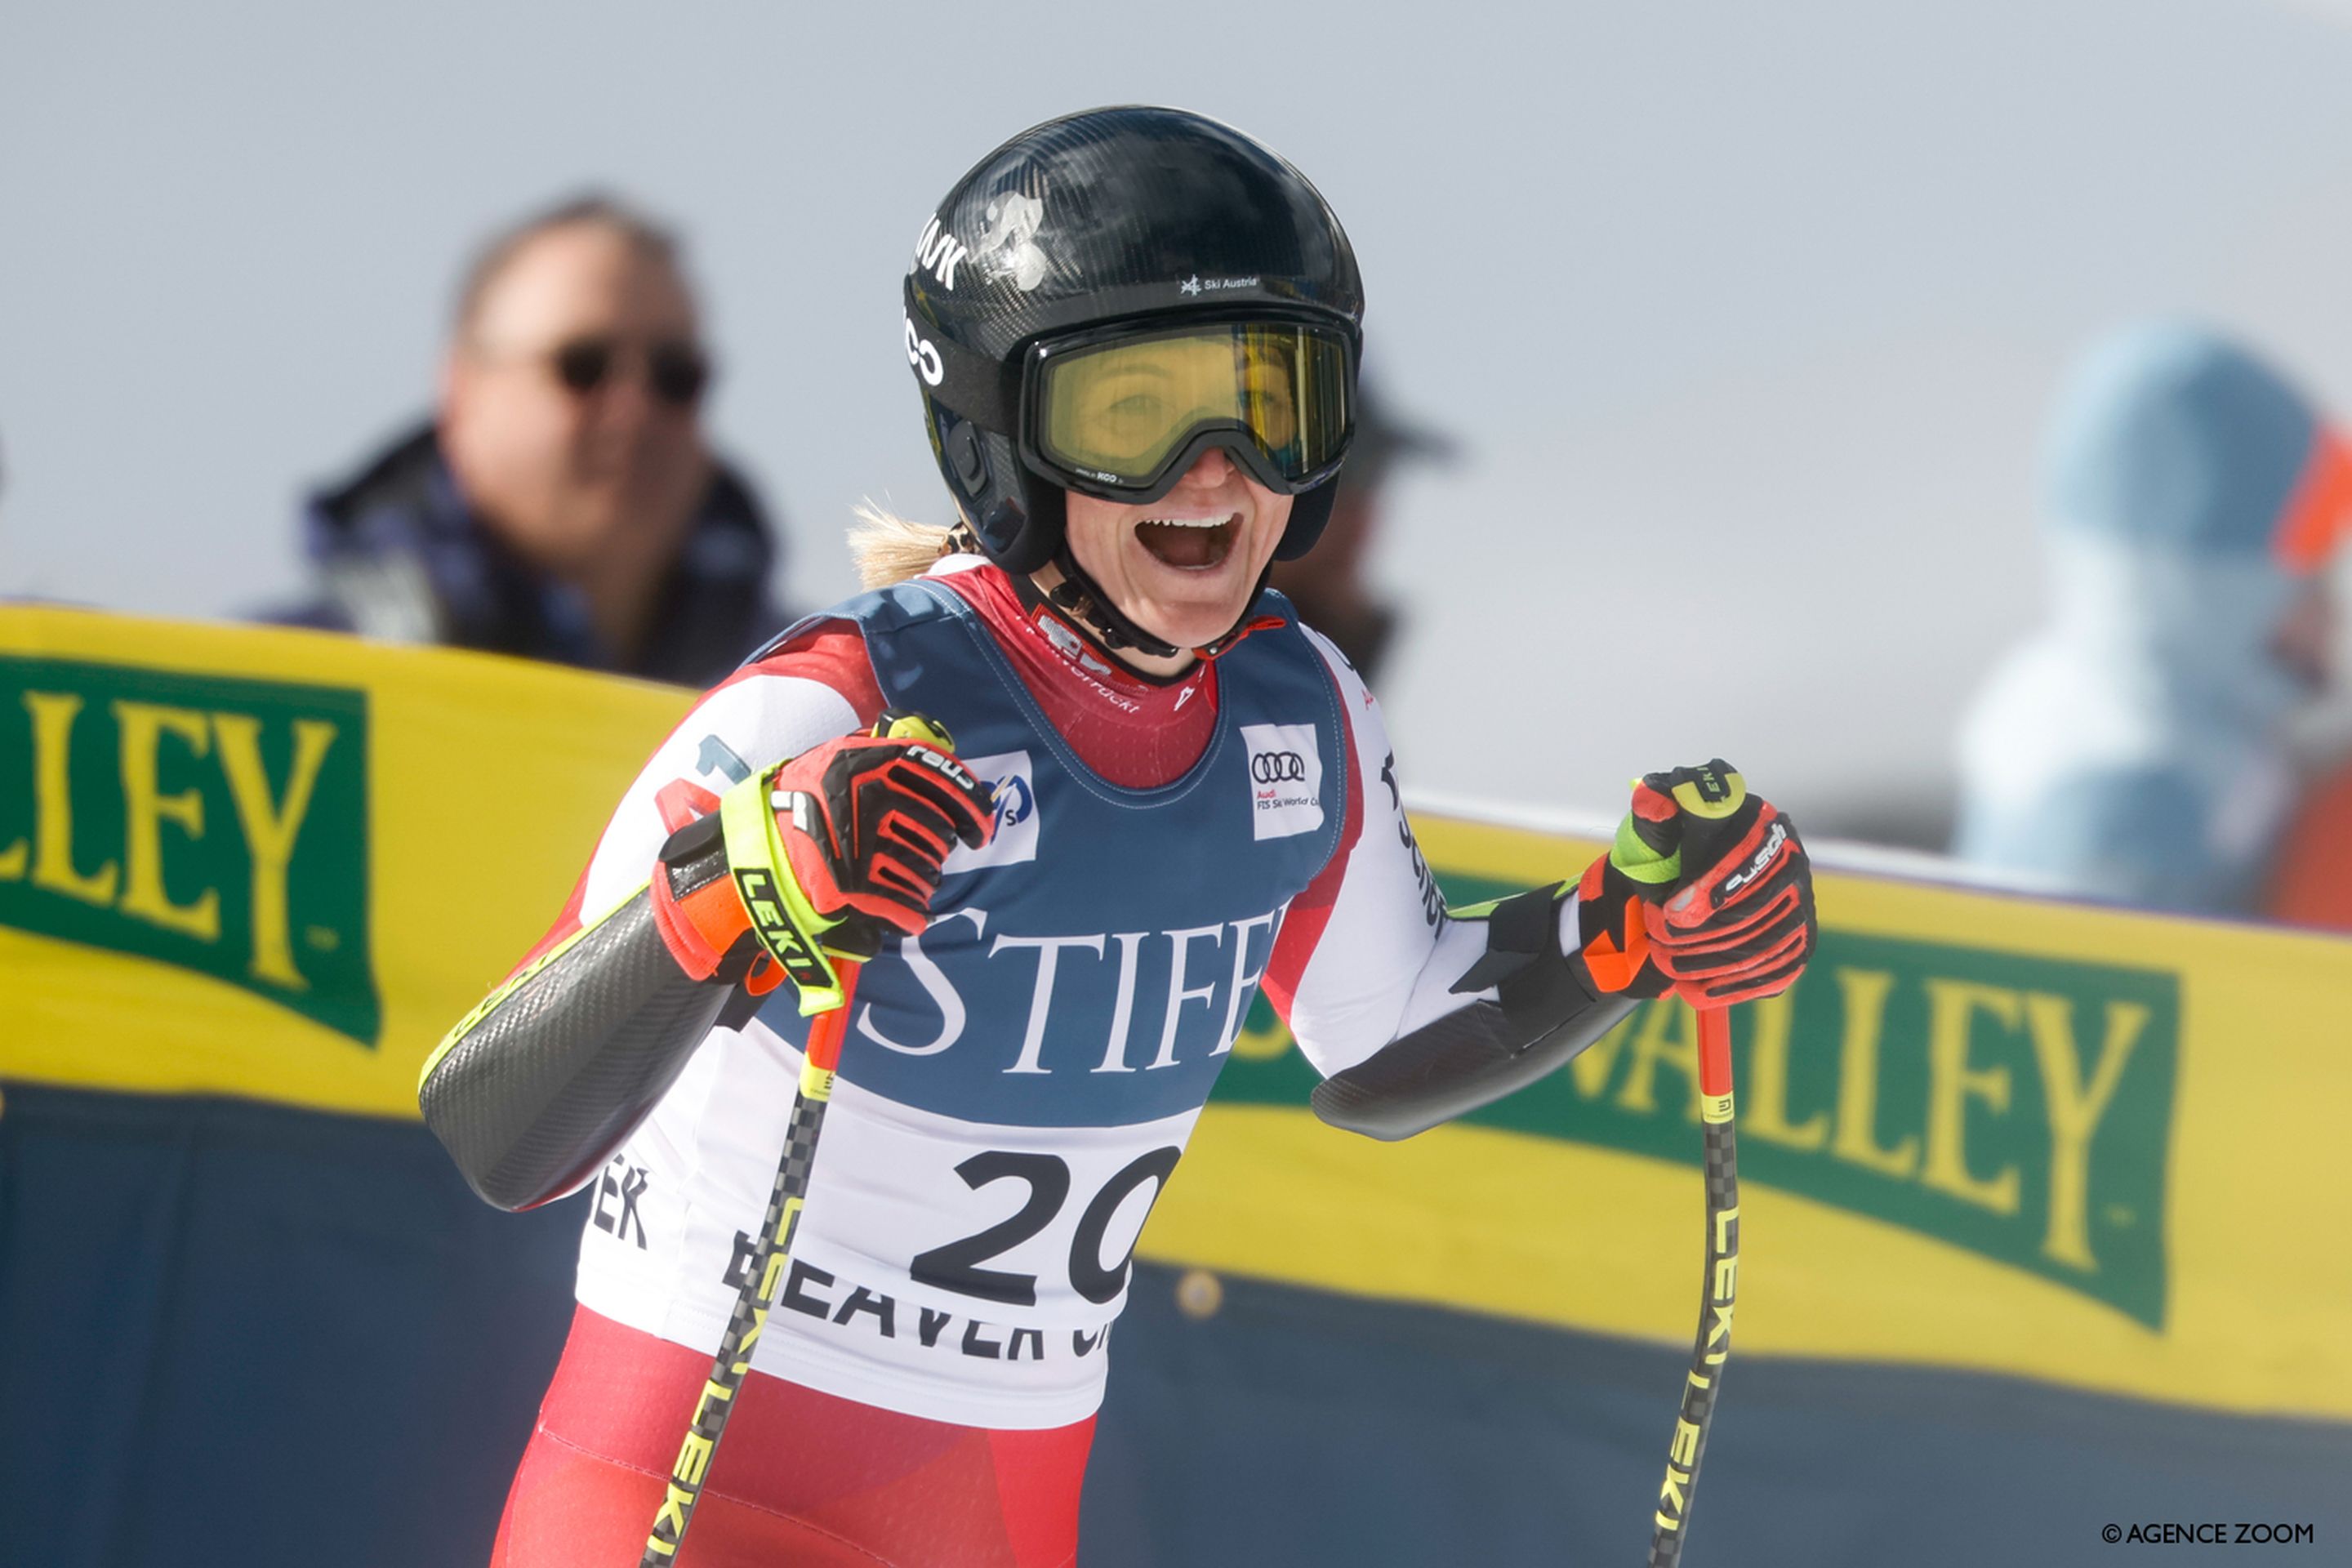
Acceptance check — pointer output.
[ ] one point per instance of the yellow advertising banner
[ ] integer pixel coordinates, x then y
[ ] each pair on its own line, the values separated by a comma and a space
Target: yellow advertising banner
1984, 1131
280, 864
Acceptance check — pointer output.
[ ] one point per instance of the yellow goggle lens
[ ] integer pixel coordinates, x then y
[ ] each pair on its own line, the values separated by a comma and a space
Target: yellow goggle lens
1118, 411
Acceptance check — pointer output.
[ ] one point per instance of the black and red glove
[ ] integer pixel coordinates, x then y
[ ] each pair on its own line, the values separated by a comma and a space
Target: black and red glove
1707, 893
869, 820
825, 851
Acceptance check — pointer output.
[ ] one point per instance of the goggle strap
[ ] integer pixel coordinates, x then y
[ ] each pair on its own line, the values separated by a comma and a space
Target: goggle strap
978, 388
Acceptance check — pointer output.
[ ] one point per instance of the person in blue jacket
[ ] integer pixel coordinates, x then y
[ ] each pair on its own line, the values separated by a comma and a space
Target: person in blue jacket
2137, 749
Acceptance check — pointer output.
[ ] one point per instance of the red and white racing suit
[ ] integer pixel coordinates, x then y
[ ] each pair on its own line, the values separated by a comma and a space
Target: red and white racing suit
874, 1431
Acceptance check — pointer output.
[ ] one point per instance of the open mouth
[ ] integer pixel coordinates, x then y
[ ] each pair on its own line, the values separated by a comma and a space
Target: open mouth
1189, 543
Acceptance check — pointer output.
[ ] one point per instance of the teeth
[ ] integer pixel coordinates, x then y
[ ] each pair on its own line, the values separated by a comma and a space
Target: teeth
1189, 521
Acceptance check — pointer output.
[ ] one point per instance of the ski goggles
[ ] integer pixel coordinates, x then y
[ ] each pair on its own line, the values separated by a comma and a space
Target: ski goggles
1123, 416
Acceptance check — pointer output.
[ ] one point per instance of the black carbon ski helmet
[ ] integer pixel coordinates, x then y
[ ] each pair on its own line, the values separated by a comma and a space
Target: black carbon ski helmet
1133, 215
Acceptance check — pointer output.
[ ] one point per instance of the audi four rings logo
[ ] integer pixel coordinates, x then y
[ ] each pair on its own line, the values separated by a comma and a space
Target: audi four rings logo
1285, 770
923, 356
1278, 767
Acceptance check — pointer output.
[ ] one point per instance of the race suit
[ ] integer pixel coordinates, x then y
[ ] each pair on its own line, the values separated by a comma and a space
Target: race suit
1017, 1084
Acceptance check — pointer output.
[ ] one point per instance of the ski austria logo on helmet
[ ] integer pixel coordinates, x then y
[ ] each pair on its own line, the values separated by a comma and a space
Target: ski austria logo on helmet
1008, 241
938, 251
1286, 779
923, 355
1012, 781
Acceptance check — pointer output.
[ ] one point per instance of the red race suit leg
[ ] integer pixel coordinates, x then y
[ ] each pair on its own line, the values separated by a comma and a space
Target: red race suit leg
803, 1479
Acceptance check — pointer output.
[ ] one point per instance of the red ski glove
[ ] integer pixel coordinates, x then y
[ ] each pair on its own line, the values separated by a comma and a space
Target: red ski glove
1707, 893
824, 851
867, 822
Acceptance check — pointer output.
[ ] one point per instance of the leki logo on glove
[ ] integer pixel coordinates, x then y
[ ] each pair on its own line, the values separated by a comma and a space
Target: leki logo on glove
1012, 781
1757, 864
1286, 779
765, 905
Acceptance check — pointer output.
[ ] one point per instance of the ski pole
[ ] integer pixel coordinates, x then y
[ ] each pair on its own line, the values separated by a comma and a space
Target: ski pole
757, 1294
1716, 1291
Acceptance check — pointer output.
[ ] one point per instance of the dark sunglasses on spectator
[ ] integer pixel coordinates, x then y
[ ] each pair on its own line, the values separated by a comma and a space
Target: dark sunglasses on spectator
675, 373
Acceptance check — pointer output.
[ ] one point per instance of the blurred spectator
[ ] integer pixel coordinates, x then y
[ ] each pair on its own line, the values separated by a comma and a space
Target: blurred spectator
1330, 587
2137, 749
562, 504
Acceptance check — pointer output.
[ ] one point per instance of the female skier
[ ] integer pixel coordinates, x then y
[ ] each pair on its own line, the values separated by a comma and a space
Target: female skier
1135, 331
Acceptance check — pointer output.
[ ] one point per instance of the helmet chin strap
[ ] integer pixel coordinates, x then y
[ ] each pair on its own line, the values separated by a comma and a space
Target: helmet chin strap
1082, 598
1084, 602
1089, 609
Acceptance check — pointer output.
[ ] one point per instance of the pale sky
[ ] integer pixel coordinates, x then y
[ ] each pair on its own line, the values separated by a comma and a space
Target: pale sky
1746, 316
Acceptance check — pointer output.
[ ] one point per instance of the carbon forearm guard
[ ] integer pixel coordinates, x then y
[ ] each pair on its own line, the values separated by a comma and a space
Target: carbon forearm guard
537, 1088
1485, 1050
